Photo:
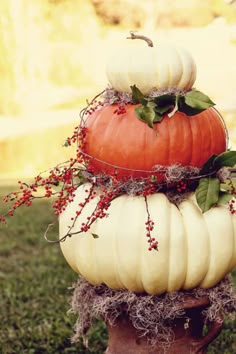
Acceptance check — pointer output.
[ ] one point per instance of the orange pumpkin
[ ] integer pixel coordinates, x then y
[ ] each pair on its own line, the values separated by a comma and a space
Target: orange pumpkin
129, 144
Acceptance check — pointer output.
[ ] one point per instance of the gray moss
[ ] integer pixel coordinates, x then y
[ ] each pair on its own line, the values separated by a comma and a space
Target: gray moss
150, 315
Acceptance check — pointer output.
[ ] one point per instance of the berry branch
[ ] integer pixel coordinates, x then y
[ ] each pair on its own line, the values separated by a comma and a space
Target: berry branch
153, 244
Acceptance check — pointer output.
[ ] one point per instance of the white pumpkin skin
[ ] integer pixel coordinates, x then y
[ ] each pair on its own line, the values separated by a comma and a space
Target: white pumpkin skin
195, 249
159, 67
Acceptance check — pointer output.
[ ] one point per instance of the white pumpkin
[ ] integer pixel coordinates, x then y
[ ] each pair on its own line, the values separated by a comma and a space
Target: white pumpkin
160, 66
195, 249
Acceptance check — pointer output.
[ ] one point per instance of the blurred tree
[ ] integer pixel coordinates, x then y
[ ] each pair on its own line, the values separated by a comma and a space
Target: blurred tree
162, 13
40, 44
21, 62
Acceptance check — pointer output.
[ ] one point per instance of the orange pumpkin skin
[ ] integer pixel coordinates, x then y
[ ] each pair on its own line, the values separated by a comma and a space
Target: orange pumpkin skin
127, 142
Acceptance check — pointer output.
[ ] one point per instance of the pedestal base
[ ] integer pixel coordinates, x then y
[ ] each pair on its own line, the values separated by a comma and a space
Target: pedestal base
183, 322
187, 333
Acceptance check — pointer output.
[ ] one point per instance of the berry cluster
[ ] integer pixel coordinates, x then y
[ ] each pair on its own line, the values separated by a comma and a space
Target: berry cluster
93, 106
181, 187
120, 110
232, 203
46, 188
232, 206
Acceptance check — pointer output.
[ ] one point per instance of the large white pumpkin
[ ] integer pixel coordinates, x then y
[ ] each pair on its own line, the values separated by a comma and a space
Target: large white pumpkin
195, 249
160, 66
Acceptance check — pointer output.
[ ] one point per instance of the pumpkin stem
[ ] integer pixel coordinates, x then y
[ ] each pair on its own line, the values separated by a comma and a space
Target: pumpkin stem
136, 36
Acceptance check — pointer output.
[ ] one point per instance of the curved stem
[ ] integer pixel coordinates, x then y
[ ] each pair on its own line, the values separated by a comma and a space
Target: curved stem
136, 36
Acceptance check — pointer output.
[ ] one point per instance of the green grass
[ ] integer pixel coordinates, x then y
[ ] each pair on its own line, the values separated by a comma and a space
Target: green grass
35, 294
34, 289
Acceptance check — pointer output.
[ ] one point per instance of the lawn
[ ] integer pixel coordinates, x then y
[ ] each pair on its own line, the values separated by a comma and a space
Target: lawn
35, 292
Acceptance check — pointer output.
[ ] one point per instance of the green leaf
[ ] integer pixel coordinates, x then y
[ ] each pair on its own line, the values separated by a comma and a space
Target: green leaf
163, 109
163, 104
137, 96
207, 193
158, 118
208, 166
183, 107
194, 102
146, 114
151, 104
197, 99
95, 235
226, 159
66, 143
81, 177
164, 100
224, 198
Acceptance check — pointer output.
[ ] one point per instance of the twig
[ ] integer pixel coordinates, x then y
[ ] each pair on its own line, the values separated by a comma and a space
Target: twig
137, 36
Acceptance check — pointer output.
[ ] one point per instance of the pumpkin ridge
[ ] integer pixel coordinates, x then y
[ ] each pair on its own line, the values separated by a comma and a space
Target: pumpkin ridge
209, 251
94, 256
177, 250
212, 134
186, 246
168, 72
128, 74
169, 242
115, 134
139, 274
178, 72
168, 137
172, 141
206, 144
214, 272
185, 251
144, 151
106, 139
169, 279
98, 267
115, 243
93, 123
231, 262
189, 138
82, 266
192, 78
177, 84
128, 272
189, 208
218, 133
96, 279
196, 140
154, 69
177, 131
157, 263
201, 142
